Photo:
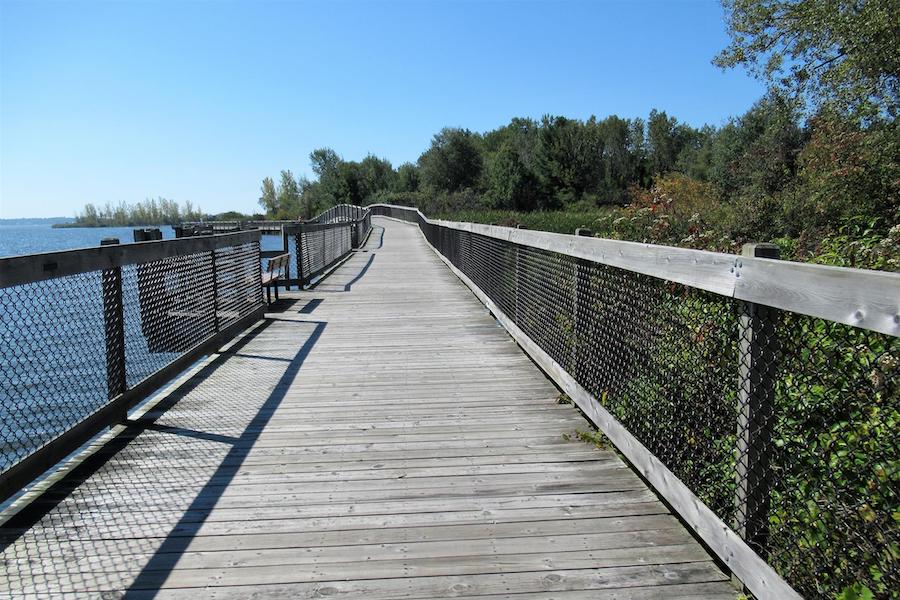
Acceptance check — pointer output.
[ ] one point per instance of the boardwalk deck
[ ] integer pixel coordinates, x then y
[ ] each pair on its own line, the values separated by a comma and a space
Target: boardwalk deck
377, 437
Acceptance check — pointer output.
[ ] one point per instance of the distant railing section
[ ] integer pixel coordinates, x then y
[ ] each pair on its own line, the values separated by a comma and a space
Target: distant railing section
318, 245
759, 397
85, 334
316, 250
209, 227
340, 213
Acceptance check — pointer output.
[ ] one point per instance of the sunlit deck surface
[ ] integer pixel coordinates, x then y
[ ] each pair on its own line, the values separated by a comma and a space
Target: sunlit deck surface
378, 436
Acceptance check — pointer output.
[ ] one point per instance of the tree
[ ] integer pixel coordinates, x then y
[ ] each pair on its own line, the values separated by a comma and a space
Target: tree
324, 161
376, 175
309, 198
666, 138
453, 162
840, 51
620, 158
268, 200
349, 186
510, 176
756, 154
407, 179
288, 196
568, 158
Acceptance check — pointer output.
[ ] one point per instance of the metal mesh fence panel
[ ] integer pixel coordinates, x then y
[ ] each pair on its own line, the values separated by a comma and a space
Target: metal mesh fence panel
168, 307
340, 213
361, 229
295, 254
320, 246
820, 461
784, 425
237, 282
52, 360
72, 346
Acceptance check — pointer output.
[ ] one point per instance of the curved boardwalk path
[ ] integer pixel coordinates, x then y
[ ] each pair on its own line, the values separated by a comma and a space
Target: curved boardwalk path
378, 436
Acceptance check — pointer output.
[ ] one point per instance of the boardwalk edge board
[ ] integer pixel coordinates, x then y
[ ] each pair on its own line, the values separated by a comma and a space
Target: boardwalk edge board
754, 572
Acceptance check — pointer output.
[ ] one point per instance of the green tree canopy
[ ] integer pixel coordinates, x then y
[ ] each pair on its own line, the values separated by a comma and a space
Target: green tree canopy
268, 198
453, 162
840, 51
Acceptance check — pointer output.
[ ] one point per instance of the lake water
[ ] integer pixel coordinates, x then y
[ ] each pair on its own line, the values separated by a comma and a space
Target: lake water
31, 239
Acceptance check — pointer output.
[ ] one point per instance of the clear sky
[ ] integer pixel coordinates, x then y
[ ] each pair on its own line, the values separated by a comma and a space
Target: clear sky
112, 101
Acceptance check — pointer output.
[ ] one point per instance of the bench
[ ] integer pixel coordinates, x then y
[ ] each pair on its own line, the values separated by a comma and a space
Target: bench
276, 270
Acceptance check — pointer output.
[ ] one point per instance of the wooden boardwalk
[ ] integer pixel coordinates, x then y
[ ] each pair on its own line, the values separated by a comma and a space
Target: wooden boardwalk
378, 436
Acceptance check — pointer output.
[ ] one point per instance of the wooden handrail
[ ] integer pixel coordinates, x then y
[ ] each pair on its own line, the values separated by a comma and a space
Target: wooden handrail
30, 268
858, 297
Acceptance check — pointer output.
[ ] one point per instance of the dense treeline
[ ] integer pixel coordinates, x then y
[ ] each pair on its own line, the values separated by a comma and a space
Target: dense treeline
770, 173
813, 164
152, 211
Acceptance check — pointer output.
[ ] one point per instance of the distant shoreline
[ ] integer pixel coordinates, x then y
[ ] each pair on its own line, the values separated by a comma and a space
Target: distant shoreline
20, 221
73, 225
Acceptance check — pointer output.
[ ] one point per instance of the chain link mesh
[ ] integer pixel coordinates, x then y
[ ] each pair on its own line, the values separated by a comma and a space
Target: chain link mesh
71, 344
784, 425
320, 246
237, 278
340, 213
343, 213
168, 306
53, 365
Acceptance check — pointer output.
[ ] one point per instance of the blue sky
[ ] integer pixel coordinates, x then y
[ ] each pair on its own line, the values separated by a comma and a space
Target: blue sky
104, 102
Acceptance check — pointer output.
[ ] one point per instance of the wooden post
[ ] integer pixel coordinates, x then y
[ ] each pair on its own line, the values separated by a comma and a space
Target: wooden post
298, 244
215, 290
517, 319
758, 350
581, 281
287, 268
114, 320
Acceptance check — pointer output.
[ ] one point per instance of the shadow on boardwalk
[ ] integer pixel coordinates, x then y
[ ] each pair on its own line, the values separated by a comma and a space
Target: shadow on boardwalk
173, 431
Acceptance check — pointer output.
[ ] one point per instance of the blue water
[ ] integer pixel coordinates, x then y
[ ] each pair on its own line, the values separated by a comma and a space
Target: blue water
31, 239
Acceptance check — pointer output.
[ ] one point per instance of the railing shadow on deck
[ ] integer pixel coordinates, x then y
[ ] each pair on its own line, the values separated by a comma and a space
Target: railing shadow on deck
327, 285
195, 460
380, 237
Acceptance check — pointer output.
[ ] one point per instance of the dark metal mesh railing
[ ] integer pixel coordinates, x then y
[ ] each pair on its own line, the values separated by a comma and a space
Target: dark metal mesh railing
343, 213
82, 331
340, 213
362, 227
784, 425
320, 246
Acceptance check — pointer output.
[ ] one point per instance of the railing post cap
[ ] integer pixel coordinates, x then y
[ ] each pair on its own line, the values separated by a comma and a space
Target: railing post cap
761, 250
